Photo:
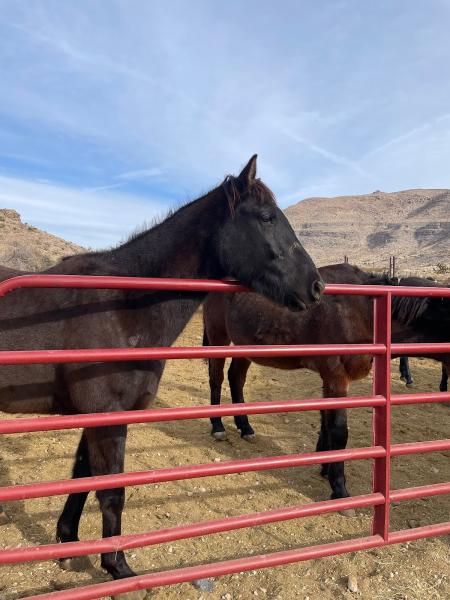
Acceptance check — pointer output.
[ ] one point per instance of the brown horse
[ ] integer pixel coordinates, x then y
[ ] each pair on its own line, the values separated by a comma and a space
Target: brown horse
252, 319
236, 230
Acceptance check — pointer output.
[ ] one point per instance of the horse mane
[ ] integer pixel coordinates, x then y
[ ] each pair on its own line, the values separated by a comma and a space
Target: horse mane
232, 188
405, 309
408, 309
377, 279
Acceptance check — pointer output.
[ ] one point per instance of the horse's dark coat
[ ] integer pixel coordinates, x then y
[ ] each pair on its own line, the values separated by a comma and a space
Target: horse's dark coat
418, 307
235, 231
406, 375
252, 319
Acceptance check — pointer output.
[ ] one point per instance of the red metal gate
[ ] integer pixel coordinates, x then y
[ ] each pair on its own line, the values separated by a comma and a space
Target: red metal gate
381, 451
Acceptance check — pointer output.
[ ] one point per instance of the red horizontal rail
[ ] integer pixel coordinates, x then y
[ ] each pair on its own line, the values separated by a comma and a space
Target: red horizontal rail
382, 290
162, 536
154, 415
195, 285
423, 491
420, 447
420, 398
152, 580
54, 423
121, 283
418, 533
127, 542
187, 472
217, 569
27, 357
433, 348
103, 482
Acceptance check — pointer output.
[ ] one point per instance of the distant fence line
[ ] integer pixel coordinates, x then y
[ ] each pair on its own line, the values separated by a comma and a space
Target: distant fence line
394, 267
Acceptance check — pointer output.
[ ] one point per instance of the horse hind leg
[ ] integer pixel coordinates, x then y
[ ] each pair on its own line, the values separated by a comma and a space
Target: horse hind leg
237, 374
444, 380
405, 371
409, 377
68, 522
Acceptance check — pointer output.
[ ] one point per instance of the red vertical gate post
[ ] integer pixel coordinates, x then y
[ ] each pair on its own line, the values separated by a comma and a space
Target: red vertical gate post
382, 414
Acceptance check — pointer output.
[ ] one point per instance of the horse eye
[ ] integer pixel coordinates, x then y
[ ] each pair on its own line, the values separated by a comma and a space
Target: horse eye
267, 218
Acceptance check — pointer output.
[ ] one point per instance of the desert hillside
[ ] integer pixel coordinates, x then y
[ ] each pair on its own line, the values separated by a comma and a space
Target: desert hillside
412, 225
23, 246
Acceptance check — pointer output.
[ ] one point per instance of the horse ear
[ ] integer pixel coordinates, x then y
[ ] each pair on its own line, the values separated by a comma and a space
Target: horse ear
248, 173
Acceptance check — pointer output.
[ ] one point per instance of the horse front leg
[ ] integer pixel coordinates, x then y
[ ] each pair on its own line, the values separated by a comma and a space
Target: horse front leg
322, 443
337, 440
237, 375
215, 368
68, 522
106, 456
334, 434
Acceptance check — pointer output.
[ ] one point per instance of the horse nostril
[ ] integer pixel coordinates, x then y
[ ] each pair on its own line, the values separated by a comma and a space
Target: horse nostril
317, 289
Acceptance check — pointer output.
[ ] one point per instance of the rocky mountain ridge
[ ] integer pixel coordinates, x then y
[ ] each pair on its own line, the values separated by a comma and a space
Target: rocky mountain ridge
412, 225
25, 247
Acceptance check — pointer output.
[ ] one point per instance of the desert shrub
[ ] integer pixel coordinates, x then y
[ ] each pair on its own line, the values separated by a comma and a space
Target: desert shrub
441, 269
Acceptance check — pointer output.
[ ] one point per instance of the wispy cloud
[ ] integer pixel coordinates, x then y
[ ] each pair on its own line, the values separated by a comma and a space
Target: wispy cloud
161, 100
331, 156
414, 132
140, 174
102, 188
86, 217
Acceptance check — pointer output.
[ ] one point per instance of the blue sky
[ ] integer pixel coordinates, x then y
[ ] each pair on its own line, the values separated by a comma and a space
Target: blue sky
113, 111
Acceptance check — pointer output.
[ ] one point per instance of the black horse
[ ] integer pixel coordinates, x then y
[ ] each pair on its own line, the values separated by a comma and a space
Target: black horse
338, 319
236, 231
404, 368
406, 375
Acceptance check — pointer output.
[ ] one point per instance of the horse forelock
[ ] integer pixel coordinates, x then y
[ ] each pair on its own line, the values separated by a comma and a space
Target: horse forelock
257, 189
262, 192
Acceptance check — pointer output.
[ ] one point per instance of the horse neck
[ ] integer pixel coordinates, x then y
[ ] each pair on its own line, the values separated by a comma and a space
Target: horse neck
180, 246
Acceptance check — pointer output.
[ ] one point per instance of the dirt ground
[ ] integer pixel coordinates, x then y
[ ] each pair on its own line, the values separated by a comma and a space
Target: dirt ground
413, 571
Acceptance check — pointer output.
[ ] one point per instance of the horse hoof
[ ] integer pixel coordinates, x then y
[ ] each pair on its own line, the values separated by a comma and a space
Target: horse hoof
137, 595
75, 563
249, 437
4, 519
348, 512
220, 436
